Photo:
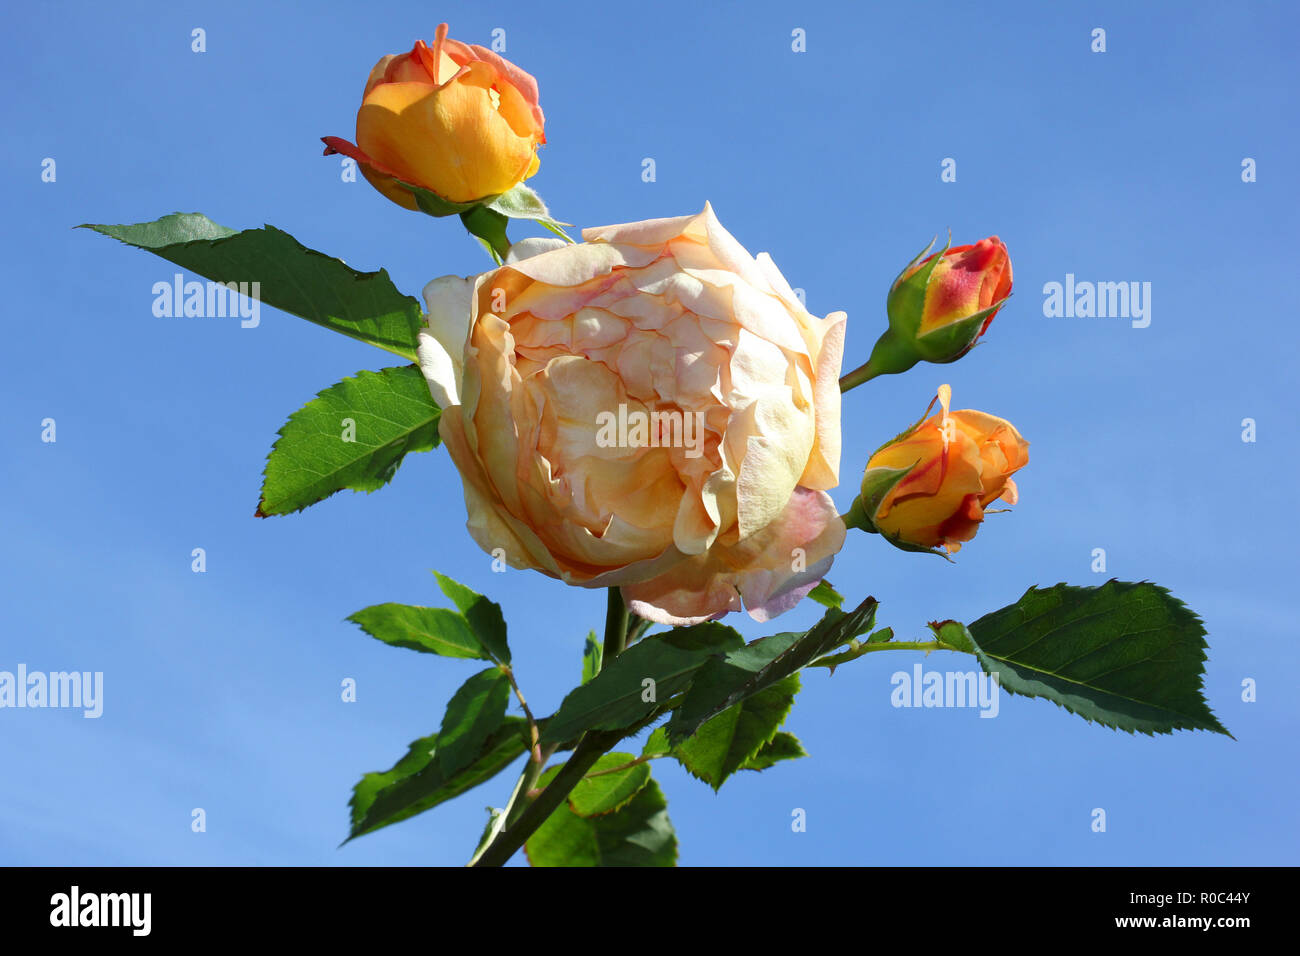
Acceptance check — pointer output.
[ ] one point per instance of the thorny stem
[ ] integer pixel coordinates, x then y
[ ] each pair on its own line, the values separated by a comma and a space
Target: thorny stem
590, 748
534, 737
526, 812
926, 646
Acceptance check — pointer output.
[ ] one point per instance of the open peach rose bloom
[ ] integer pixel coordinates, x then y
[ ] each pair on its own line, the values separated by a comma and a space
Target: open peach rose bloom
669, 322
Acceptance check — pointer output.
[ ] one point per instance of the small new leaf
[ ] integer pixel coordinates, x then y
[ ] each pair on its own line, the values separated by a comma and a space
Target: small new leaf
521, 202
825, 595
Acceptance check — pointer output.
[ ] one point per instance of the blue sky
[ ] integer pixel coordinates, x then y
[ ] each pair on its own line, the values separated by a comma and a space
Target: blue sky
222, 688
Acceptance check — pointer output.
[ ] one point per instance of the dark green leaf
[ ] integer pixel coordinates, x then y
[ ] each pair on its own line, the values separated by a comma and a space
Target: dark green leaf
730, 740
1128, 656
636, 682
606, 787
352, 435
741, 673
293, 278
640, 834
417, 782
473, 713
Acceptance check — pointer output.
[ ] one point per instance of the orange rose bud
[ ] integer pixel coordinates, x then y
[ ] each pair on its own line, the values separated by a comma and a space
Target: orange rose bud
928, 488
442, 128
941, 304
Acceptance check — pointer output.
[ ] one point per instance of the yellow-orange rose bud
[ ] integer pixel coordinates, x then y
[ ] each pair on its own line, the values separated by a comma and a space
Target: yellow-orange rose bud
456, 120
929, 487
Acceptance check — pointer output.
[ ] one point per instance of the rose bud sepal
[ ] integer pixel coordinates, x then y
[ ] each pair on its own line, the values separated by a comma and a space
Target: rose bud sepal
877, 483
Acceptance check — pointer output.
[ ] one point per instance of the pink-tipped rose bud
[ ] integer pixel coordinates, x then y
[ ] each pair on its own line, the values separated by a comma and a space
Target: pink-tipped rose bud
941, 304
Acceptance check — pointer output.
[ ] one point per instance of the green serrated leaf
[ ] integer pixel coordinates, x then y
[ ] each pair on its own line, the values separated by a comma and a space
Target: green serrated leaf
433, 630
725, 743
303, 282
609, 785
784, 746
474, 712
483, 616
656, 744
741, 673
417, 782
1128, 656
619, 696
352, 435
592, 653
639, 834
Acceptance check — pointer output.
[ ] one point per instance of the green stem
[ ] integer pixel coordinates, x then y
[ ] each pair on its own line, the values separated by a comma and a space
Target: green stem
856, 517
616, 620
926, 646
590, 749
863, 373
891, 355
525, 814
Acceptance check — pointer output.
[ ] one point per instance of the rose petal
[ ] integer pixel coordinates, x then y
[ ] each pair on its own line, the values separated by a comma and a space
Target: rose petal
759, 572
